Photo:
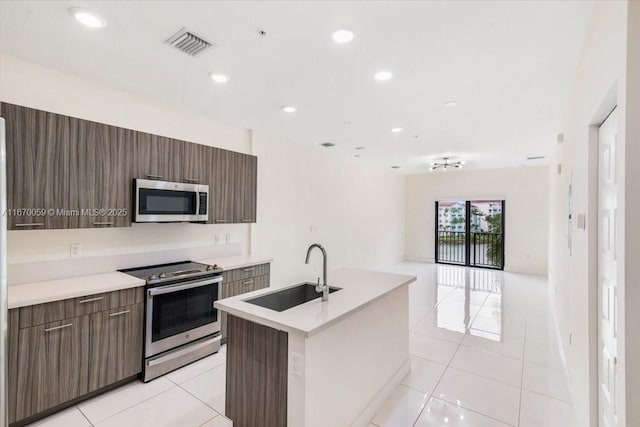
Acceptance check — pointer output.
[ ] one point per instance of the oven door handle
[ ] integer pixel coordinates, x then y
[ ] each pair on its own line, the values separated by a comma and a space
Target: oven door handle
176, 288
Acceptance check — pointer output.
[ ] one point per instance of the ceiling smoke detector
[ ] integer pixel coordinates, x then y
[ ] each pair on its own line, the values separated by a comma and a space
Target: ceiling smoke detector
445, 164
189, 43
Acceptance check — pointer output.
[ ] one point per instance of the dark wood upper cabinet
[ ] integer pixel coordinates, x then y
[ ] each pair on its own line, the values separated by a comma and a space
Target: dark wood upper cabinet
247, 191
62, 171
101, 171
221, 186
37, 167
194, 163
158, 157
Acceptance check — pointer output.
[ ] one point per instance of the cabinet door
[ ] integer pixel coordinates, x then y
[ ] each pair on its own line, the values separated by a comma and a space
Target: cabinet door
194, 161
101, 164
246, 188
52, 365
37, 167
115, 350
221, 185
157, 157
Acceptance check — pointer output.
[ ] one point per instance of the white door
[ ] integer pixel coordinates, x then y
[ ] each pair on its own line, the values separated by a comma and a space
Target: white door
607, 280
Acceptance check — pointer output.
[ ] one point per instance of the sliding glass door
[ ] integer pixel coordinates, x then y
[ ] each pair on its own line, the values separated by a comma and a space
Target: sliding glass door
470, 232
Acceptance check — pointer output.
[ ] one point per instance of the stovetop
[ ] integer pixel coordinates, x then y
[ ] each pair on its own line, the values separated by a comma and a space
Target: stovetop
173, 272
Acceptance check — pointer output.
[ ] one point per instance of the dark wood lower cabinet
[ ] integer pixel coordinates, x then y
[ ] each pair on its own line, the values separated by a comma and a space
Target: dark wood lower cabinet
115, 345
241, 281
256, 388
52, 364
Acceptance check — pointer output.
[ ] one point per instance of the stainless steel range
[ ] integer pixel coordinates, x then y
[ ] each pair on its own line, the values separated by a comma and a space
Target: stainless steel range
182, 325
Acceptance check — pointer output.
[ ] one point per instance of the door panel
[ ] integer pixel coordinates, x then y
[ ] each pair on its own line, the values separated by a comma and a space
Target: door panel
607, 273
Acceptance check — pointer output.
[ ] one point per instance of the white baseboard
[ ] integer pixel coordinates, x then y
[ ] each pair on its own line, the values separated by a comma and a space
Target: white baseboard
376, 404
419, 259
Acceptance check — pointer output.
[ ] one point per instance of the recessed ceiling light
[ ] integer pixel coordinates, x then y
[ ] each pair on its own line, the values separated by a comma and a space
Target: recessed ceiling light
396, 130
87, 18
289, 109
383, 75
451, 104
356, 155
342, 36
219, 77
359, 148
328, 144
395, 167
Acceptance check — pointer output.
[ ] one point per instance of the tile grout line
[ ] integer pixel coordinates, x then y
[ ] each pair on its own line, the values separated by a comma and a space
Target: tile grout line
83, 414
524, 350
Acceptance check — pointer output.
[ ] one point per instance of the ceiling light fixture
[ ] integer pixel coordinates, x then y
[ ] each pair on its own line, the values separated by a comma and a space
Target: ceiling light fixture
87, 18
342, 36
219, 77
445, 164
359, 148
289, 109
383, 75
396, 130
328, 144
451, 104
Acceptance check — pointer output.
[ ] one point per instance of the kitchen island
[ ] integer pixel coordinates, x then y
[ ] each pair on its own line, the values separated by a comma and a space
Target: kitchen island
318, 364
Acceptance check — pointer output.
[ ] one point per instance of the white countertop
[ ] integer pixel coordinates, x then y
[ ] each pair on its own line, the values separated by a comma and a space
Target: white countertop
236, 261
359, 288
73, 287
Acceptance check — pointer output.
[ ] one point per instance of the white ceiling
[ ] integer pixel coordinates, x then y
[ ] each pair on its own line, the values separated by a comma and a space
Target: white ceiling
509, 65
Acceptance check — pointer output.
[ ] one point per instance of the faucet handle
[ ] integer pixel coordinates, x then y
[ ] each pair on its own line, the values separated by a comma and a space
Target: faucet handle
318, 286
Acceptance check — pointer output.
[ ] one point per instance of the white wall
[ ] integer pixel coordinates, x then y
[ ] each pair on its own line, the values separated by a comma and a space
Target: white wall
358, 208
525, 191
603, 80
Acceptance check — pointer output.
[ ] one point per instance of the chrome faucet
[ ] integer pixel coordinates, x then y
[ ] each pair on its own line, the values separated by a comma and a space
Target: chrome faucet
324, 288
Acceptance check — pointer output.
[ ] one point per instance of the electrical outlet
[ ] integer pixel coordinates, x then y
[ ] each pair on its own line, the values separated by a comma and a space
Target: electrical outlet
216, 239
74, 250
297, 364
314, 228
227, 239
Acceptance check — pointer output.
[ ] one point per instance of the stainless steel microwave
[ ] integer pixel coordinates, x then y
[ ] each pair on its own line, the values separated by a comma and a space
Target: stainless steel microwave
163, 201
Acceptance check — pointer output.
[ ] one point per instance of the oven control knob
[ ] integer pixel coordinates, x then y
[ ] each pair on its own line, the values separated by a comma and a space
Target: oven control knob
152, 278
162, 275
210, 267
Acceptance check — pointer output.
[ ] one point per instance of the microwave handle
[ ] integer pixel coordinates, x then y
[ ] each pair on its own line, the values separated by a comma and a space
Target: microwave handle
175, 288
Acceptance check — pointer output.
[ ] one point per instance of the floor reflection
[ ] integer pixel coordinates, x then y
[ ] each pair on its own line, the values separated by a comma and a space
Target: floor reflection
471, 301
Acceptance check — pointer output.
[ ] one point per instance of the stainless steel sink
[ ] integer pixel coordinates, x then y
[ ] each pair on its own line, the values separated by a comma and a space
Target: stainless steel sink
288, 298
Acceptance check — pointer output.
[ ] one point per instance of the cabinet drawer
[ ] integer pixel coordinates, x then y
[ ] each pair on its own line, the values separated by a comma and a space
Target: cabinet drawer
246, 272
58, 310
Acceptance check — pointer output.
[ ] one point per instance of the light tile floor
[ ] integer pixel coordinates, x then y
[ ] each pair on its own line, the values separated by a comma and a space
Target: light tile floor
483, 354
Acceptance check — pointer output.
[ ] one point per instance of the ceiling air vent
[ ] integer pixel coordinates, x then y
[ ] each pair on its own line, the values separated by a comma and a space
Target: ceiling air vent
189, 43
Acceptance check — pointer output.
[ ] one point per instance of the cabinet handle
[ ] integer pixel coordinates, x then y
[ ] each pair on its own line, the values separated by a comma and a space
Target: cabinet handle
247, 220
119, 313
55, 328
35, 224
248, 282
220, 220
246, 270
194, 180
150, 176
103, 223
84, 301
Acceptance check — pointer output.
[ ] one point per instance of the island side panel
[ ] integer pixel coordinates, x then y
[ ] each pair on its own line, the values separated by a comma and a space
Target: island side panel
256, 386
354, 365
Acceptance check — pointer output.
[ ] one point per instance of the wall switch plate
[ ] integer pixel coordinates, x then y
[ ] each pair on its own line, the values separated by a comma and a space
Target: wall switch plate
314, 228
297, 364
570, 338
582, 221
227, 238
74, 250
216, 239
